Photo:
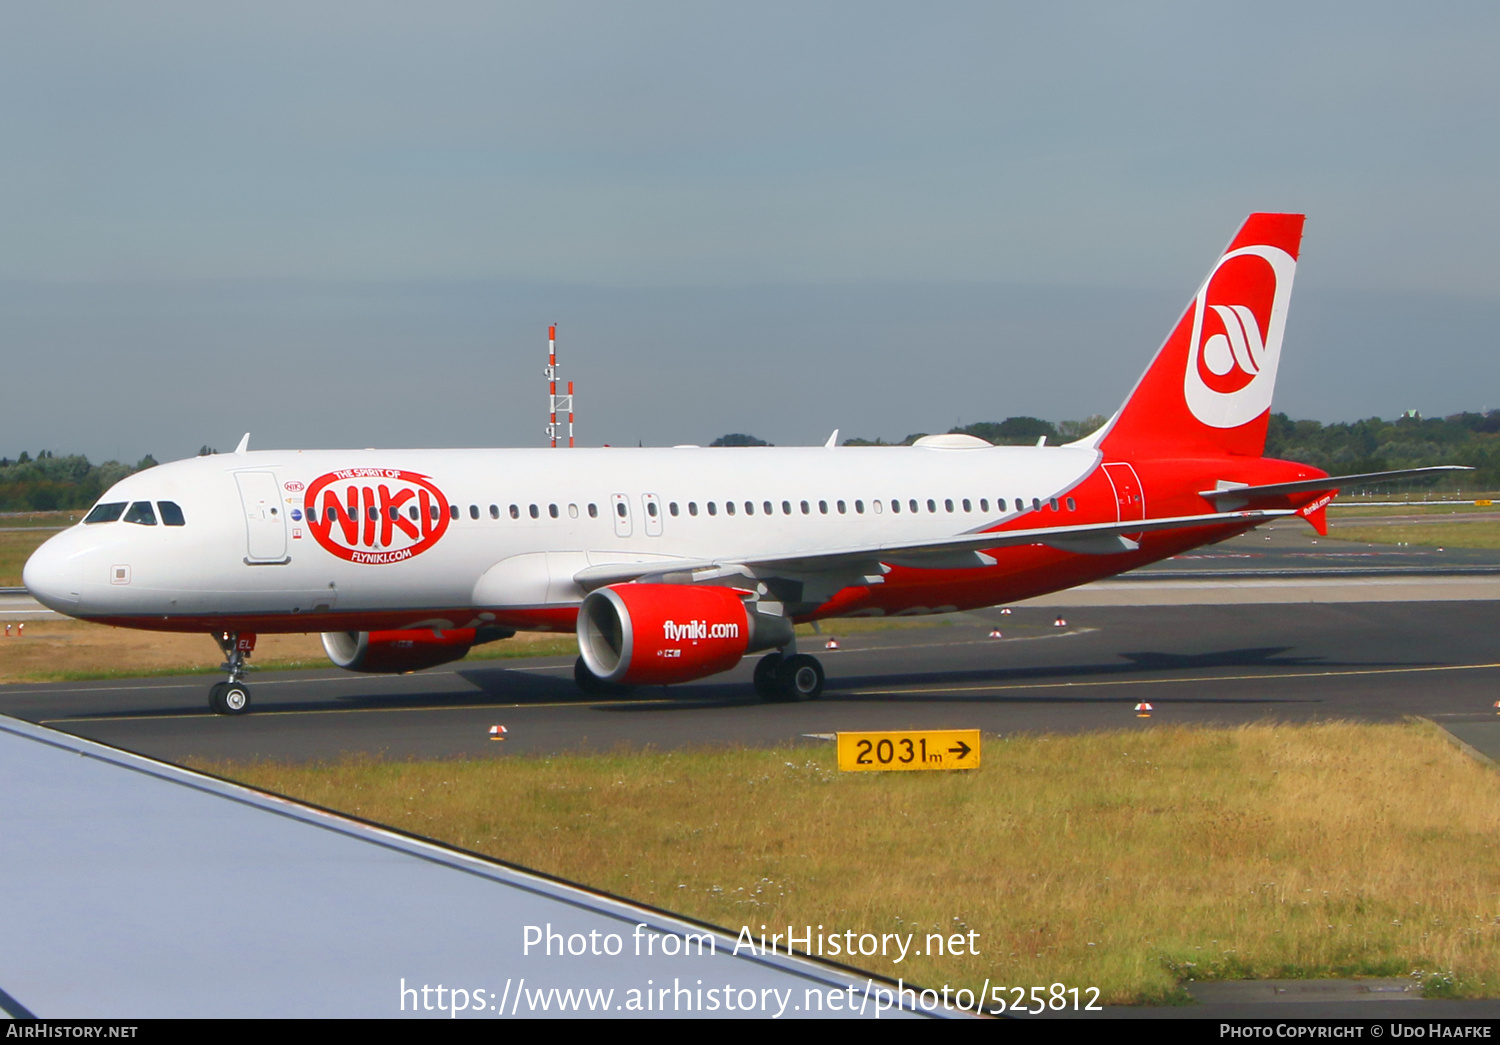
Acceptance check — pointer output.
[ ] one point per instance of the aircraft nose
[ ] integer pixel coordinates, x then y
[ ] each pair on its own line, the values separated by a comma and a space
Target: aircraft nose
52, 574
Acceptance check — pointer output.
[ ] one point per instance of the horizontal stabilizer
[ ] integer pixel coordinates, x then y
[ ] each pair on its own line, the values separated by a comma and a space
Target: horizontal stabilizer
1241, 494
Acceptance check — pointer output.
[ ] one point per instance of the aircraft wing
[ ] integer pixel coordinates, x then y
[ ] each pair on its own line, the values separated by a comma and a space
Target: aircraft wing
964, 550
1330, 482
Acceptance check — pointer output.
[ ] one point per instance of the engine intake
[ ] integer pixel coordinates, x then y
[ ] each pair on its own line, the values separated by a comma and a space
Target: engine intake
398, 652
664, 633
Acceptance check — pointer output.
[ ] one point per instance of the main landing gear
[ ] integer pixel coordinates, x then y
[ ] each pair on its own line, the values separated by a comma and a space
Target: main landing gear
232, 697
794, 678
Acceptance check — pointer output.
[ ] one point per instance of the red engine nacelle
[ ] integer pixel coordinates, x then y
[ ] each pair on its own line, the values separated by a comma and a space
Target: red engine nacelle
664, 633
395, 652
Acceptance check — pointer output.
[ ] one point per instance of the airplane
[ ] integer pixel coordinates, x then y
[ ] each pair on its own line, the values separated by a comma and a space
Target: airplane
672, 564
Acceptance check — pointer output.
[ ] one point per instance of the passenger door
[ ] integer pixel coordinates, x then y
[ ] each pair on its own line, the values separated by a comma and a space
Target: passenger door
265, 521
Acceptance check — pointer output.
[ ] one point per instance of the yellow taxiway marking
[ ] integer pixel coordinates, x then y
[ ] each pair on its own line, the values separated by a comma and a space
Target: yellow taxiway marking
1267, 677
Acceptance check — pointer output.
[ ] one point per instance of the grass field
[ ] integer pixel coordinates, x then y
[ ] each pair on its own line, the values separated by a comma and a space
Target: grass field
1128, 861
1458, 533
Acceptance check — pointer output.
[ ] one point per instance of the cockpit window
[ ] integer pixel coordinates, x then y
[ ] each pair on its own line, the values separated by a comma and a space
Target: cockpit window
140, 512
105, 512
171, 515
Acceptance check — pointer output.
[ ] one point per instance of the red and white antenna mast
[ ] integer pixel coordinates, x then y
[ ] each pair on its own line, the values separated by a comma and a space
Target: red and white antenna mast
555, 402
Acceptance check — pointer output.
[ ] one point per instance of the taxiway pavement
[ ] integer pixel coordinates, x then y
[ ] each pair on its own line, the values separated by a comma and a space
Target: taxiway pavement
1194, 664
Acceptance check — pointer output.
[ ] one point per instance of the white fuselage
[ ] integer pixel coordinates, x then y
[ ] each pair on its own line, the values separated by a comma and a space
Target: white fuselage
520, 524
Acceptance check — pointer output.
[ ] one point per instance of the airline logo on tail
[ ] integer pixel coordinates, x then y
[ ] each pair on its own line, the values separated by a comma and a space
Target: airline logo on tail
1238, 319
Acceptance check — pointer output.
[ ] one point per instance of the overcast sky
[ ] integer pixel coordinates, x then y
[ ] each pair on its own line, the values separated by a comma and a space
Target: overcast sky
349, 225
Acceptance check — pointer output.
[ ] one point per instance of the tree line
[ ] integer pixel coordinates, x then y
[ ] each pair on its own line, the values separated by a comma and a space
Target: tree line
48, 483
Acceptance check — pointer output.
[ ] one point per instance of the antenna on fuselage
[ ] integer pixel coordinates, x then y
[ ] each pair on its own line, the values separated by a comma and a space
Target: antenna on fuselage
555, 402
244, 444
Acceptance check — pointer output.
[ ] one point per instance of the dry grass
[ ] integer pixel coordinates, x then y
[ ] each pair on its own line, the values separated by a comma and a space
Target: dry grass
16, 547
1458, 533
1127, 861
55, 650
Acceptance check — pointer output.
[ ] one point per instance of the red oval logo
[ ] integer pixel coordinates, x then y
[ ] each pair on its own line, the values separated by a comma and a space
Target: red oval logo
376, 515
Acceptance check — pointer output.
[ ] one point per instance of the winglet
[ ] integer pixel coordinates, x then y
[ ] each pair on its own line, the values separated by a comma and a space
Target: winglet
833, 440
244, 444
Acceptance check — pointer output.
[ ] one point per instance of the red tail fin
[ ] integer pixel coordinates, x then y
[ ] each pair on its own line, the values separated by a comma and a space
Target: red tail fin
1208, 391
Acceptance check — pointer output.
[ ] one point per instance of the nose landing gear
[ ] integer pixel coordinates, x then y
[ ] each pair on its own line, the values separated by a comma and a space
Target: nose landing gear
232, 697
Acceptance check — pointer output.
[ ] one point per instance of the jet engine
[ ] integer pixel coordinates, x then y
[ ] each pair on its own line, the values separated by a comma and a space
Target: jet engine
663, 633
397, 652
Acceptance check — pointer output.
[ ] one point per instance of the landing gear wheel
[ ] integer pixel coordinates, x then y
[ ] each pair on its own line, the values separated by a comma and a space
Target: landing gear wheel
229, 698
592, 684
801, 678
767, 684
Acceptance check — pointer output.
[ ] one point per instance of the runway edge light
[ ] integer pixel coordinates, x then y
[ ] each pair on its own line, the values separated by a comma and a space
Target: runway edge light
1143, 710
497, 732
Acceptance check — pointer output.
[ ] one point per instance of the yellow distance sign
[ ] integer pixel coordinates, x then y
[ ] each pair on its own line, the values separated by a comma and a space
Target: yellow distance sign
909, 749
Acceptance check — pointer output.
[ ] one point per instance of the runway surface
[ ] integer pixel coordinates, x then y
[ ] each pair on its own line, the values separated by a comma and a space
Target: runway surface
1193, 664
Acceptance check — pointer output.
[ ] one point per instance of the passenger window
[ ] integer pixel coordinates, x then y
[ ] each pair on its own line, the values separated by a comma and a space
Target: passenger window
692, 507
841, 508
805, 509
729, 507
651, 509
495, 511
984, 504
453, 511
105, 512
415, 515
593, 511
877, 505
572, 511
1072, 505
967, 506
859, 507
140, 513
931, 505
768, 508
552, 510
912, 504
1052, 503
1036, 504
473, 511
535, 512
515, 511
895, 506
823, 507
374, 513
948, 504
786, 507
171, 515
620, 509
673, 509
749, 507
713, 509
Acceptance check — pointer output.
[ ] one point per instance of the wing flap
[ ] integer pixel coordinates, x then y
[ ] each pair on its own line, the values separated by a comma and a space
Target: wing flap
946, 552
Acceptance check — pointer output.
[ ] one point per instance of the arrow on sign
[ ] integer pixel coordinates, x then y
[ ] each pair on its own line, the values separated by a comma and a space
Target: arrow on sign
961, 751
